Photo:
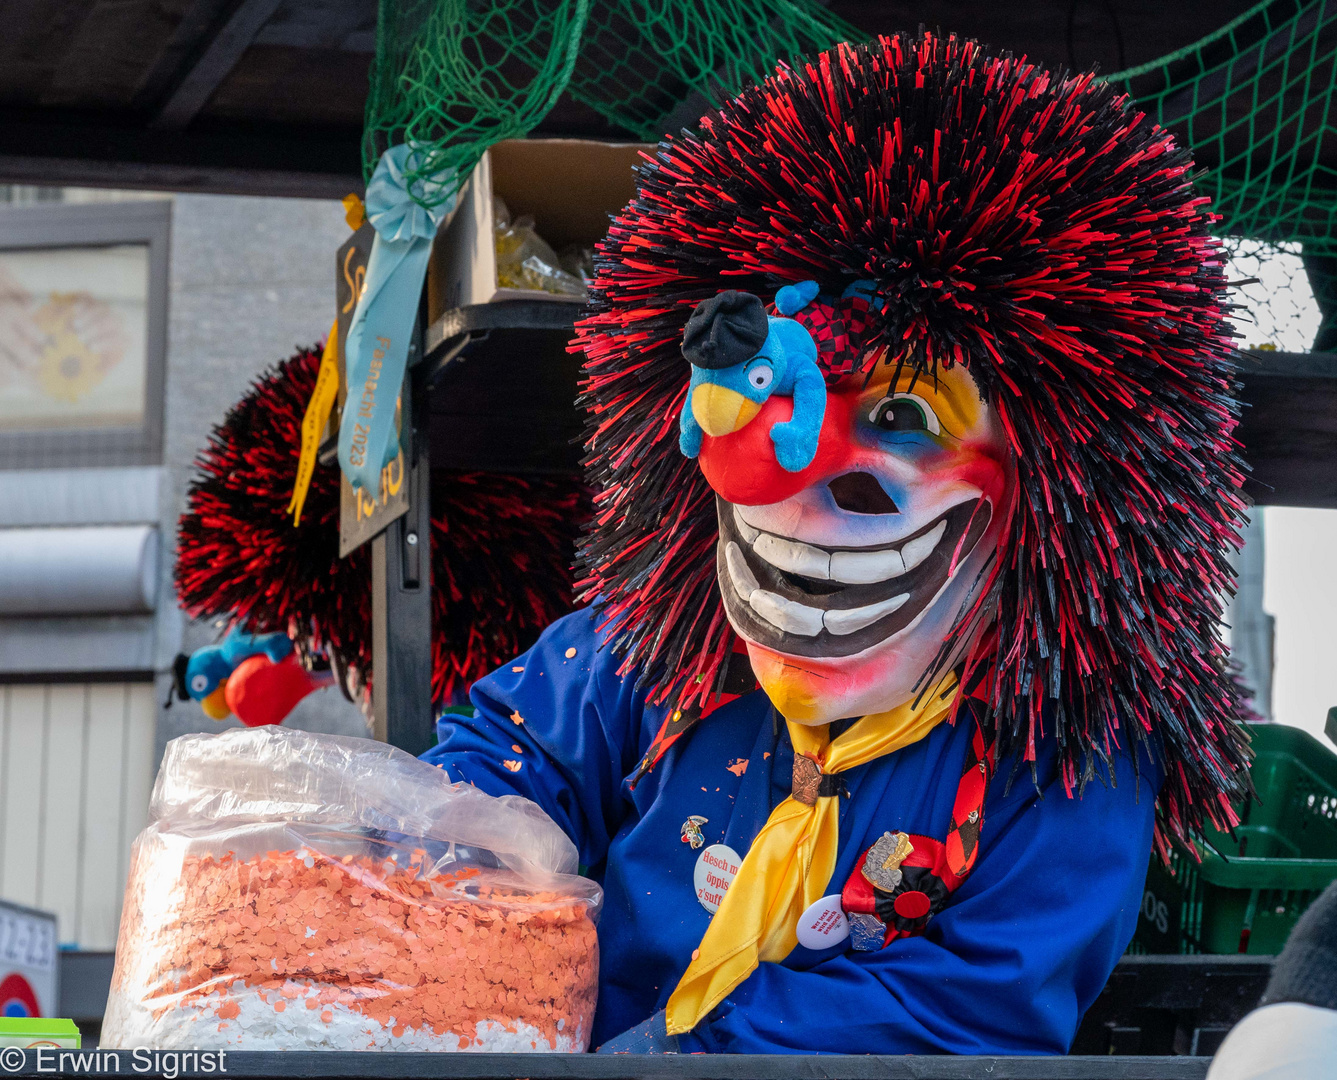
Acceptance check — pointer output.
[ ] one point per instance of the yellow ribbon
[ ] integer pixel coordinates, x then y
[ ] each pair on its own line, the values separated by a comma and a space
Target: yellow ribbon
327, 379
313, 421
792, 859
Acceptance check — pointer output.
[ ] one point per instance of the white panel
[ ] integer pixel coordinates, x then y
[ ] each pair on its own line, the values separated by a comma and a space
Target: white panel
76, 644
100, 894
142, 716
64, 767
24, 753
85, 570
110, 496
76, 769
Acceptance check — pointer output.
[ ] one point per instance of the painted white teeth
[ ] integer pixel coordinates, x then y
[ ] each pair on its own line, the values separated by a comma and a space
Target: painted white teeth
740, 574
791, 617
746, 531
846, 567
795, 557
865, 567
921, 547
849, 620
786, 615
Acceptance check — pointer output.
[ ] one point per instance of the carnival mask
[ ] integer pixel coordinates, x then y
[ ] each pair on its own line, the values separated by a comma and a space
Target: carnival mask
844, 578
989, 221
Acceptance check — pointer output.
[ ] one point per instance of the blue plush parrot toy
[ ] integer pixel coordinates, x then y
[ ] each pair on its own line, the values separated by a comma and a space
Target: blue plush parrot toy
740, 356
208, 669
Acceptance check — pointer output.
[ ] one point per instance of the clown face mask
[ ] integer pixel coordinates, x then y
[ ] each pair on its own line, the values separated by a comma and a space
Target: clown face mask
845, 578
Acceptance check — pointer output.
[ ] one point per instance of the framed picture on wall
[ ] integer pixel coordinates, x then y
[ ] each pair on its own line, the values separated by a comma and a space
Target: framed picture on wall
83, 326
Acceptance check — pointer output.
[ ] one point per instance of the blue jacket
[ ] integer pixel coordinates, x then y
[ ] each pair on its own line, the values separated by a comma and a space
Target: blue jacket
1008, 967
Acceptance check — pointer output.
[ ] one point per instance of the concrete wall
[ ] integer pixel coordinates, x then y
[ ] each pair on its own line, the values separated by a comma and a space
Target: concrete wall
252, 280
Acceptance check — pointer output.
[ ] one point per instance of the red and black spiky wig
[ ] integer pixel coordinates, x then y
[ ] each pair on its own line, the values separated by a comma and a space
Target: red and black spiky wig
501, 545
1035, 228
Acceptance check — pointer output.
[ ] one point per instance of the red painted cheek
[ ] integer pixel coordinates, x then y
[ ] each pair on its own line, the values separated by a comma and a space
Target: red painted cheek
742, 469
978, 464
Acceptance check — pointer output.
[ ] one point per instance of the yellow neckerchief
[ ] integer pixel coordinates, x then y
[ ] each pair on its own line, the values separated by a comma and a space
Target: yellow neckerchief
791, 861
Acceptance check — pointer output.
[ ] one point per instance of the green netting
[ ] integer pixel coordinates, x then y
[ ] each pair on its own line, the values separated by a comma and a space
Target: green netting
455, 76
1254, 100
653, 67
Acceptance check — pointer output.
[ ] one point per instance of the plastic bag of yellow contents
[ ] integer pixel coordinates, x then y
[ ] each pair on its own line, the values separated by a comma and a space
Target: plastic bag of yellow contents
525, 260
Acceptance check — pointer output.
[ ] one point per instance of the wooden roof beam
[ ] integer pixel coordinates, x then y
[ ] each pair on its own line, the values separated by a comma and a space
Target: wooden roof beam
192, 93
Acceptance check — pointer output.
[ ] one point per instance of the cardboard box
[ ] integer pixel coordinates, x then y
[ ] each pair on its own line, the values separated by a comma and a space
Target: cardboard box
569, 186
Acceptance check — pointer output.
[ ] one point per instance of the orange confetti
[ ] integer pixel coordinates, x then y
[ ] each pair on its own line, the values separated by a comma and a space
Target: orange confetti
738, 766
518, 668
570, 652
514, 766
372, 935
517, 748
516, 718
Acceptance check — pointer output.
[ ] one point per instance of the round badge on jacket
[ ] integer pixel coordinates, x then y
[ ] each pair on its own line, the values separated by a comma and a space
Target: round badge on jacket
716, 867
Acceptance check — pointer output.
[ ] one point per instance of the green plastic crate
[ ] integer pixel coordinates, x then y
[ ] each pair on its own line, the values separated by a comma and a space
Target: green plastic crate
1285, 854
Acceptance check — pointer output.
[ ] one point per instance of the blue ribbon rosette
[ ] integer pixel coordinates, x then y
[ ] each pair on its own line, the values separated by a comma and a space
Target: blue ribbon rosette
377, 348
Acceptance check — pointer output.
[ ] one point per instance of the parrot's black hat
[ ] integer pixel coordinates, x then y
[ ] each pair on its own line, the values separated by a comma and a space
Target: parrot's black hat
725, 330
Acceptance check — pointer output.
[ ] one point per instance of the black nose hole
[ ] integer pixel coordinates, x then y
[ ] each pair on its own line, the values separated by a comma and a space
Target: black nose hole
860, 493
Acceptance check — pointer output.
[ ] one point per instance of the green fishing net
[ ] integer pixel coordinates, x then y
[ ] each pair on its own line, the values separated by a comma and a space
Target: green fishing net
455, 76
452, 77
1254, 100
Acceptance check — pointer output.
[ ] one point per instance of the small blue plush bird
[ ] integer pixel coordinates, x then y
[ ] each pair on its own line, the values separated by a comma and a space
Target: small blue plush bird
209, 668
740, 357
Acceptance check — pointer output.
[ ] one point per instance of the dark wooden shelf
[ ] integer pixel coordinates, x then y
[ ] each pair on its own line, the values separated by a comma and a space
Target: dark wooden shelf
509, 409
457, 326
471, 1066
502, 387
1289, 428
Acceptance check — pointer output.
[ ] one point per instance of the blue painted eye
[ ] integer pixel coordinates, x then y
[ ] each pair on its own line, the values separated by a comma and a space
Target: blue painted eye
904, 412
760, 376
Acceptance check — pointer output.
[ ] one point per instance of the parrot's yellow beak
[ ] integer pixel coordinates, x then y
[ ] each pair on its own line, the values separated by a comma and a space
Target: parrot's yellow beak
720, 410
215, 705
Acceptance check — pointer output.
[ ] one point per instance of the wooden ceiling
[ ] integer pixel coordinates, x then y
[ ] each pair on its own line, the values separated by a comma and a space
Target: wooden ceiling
266, 96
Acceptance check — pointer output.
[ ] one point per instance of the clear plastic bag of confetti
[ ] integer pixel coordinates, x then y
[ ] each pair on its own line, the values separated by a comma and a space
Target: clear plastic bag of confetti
296, 891
526, 261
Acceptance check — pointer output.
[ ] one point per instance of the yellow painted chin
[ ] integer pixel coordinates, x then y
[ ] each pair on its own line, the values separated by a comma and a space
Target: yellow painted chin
215, 705
721, 411
789, 688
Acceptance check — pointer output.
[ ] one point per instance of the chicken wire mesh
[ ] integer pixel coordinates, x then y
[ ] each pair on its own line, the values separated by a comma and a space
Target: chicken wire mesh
1276, 308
